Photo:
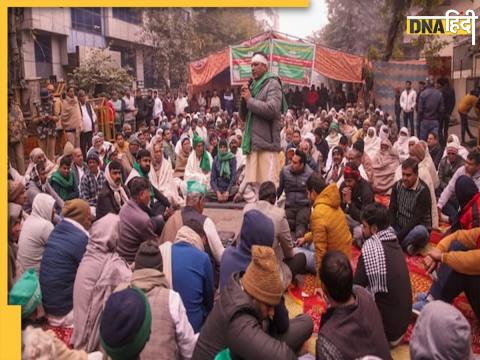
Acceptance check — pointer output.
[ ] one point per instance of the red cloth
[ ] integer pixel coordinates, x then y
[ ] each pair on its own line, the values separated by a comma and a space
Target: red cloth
312, 97
469, 216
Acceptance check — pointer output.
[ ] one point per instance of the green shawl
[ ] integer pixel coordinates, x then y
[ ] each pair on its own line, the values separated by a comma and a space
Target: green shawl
255, 88
204, 161
224, 158
67, 186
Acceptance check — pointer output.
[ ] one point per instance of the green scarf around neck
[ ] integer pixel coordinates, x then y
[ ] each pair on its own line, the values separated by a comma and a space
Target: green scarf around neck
67, 186
137, 167
204, 160
255, 88
225, 158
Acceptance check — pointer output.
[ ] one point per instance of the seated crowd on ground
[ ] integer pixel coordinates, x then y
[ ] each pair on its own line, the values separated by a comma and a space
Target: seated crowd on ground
109, 239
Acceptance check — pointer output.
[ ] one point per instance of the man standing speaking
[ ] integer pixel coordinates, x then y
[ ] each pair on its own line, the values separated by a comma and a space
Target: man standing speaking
263, 102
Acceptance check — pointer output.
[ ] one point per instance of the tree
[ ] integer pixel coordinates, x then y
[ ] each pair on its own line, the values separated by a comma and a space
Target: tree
100, 68
176, 37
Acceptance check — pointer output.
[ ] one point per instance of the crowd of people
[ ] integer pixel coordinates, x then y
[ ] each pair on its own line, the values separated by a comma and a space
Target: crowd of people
110, 240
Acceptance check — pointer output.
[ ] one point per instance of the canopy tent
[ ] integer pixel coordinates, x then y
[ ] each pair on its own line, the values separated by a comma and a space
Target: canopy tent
330, 63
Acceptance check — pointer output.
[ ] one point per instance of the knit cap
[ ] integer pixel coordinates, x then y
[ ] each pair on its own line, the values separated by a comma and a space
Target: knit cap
76, 209
262, 277
126, 324
26, 293
93, 155
148, 257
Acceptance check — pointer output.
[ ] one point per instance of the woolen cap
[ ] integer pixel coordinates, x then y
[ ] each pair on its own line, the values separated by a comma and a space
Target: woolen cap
149, 257
76, 209
262, 277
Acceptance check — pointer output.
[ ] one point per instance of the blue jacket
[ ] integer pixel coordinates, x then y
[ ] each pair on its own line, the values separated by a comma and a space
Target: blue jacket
220, 183
63, 253
192, 278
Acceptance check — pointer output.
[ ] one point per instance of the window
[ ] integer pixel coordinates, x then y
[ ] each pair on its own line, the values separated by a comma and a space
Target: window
132, 16
43, 55
87, 19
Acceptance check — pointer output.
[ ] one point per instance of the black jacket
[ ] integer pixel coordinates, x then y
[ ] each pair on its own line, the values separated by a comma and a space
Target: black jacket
294, 186
396, 305
362, 195
106, 202
436, 154
235, 324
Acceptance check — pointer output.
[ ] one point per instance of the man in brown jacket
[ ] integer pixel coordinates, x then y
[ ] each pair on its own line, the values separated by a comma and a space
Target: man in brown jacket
71, 117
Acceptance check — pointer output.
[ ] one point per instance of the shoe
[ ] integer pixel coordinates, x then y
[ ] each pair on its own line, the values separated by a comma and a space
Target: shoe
418, 307
421, 296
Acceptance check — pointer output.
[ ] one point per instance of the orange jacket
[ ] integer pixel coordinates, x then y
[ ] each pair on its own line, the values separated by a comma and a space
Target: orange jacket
328, 224
464, 262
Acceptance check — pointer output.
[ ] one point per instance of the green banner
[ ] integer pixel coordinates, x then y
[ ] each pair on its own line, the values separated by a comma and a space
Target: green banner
240, 57
292, 62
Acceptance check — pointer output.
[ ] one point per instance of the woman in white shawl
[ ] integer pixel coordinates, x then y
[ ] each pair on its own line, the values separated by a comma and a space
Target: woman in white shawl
161, 175
428, 161
372, 142
333, 137
99, 273
401, 145
384, 133
462, 151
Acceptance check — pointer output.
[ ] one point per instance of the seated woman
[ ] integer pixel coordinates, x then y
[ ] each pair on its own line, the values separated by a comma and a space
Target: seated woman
333, 137
401, 145
101, 146
199, 163
372, 142
384, 164
222, 179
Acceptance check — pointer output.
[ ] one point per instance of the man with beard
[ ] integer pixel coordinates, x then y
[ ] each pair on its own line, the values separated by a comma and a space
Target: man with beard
113, 194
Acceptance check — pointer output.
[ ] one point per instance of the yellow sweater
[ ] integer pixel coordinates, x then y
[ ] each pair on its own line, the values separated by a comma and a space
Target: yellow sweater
464, 262
466, 104
329, 229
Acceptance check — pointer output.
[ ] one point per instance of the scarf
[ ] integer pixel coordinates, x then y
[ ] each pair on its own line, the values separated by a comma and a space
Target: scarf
137, 167
225, 158
204, 160
119, 193
189, 236
66, 185
375, 262
255, 88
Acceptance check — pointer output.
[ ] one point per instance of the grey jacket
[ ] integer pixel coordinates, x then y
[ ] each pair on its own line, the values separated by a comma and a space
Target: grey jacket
294, 186
430, 104
266, 112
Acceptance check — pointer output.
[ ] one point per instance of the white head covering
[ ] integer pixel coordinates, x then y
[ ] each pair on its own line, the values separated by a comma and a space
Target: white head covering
259, 58
401, 145
372, 144
384, 132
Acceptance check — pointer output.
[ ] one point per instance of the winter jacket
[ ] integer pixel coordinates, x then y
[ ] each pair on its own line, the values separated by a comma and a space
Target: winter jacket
360, 321
266, 113
362, 195
294, 186
329, 228
61, 258
135, 227
234, 323
464, 262
218, 182
430, 104
106, 201
446, 170
99, 273
436, 154
35, 232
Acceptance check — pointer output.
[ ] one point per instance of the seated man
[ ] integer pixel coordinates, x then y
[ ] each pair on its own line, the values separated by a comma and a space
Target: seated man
172, 335
449, 166
159, 204
356, 193
199, 163
410, 209
434, 148
236, 320
192, 273
128, 157
456, 260
113, 194
63, 181
352, 314
328, 225
224, 172
195, 204
446, 203
64, 251
136, 221
38, 184
293, 178
92, 180
355, 156
291, 264
383, 271
428, 341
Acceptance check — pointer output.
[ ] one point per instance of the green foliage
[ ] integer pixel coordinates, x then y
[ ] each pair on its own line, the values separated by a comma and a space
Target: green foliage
100, 68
